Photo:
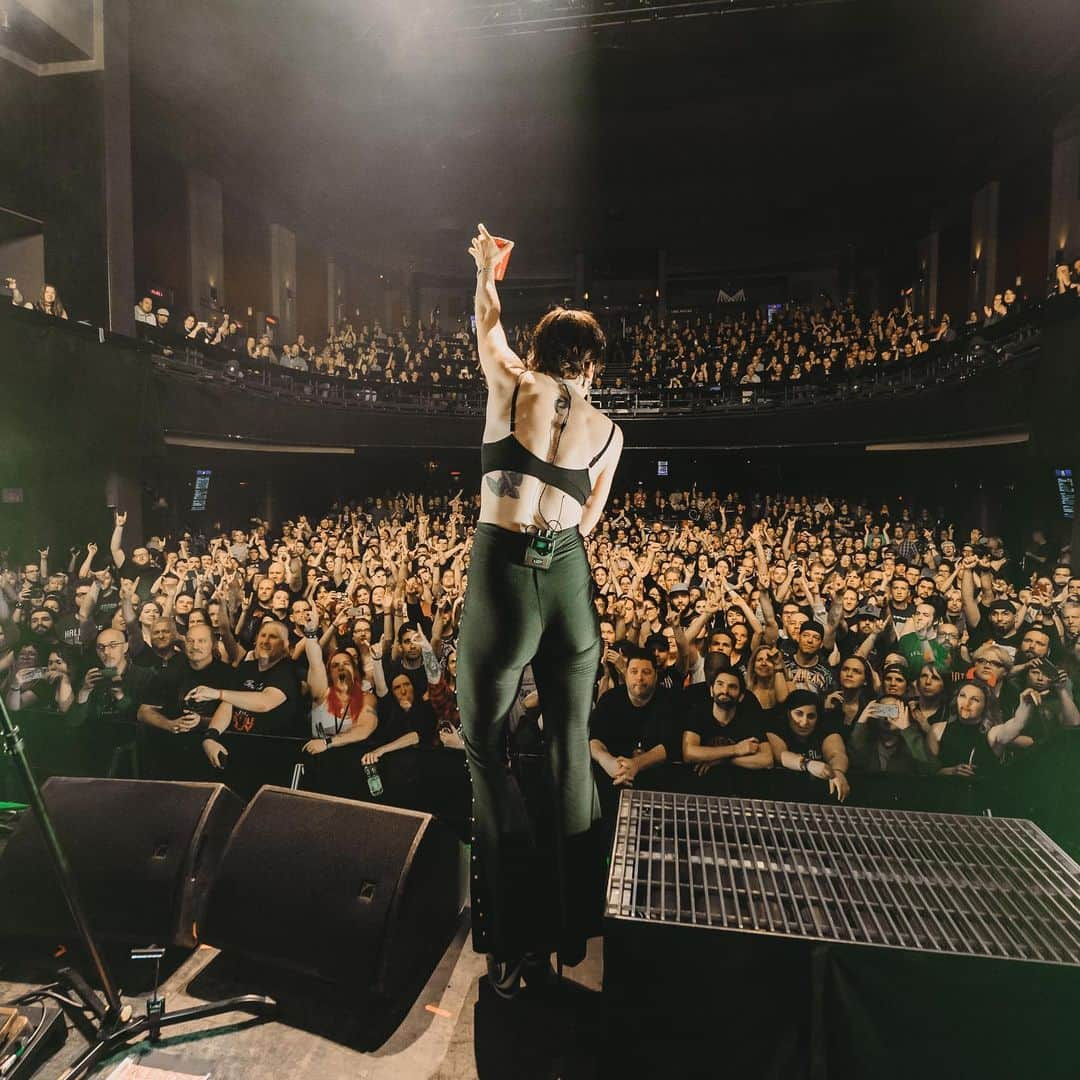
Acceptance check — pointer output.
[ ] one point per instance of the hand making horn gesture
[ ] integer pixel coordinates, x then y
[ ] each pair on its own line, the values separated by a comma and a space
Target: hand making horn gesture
488, 250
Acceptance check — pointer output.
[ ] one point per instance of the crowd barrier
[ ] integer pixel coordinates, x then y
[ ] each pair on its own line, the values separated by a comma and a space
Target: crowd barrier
1041, 784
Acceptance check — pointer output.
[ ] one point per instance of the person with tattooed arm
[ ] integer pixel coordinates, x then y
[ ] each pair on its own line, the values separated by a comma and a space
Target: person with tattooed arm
548, 459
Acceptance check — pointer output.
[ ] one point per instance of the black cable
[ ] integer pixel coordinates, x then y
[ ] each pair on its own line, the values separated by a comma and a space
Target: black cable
26, 1040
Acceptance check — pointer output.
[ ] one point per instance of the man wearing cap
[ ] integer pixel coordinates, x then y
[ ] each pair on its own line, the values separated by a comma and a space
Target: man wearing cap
806, 668
990, 620
161, 330
997, 622
678, 598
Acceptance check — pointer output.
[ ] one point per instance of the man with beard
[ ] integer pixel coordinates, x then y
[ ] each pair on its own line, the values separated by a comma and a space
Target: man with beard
257, 611
409, 661
41, 633
728, 730
164, 756
996, 621
629, 728
261, 698
678, 598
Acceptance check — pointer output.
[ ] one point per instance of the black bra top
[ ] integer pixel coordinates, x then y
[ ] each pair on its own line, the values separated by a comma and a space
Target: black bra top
509, 455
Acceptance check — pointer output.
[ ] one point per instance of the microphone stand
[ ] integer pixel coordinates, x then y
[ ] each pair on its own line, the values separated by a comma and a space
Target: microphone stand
113, 1026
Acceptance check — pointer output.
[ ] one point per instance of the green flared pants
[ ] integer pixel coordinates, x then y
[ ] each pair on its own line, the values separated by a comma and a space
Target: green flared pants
513, 616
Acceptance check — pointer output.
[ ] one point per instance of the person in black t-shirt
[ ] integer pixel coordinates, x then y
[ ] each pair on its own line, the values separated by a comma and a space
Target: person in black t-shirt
803, 740
409, 661
629, 728
172, 712
173, 724
108, 704
728, 731
263, 698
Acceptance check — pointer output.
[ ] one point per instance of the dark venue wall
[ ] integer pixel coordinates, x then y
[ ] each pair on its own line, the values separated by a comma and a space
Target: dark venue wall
52, 134
162, 239
954, 295
1024, 224
311, 298
247, 259
22, 134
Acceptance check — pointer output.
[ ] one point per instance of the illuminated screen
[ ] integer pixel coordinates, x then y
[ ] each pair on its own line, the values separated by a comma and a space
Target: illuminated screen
1066, 492
202, 489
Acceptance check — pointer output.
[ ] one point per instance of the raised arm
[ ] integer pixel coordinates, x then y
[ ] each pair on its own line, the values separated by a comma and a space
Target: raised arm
88, 563
972, 615
497, 360
116, 541
317, 680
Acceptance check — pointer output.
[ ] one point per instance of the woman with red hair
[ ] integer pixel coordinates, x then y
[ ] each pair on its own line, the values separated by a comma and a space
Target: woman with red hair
343, 720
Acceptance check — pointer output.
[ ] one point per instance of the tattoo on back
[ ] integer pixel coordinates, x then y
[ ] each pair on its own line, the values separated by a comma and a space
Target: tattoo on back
558, 423
506, 483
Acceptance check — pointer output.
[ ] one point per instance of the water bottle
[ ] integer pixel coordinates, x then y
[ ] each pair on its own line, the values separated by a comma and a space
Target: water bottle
374, 781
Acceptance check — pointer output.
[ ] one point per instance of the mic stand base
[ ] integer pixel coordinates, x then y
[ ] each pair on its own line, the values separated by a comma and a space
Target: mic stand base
111, 1039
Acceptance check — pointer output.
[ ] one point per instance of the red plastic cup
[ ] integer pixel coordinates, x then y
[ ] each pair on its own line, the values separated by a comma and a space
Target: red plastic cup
504, 262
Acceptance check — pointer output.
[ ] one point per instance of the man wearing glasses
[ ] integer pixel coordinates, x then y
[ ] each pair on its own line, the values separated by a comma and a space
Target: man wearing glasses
107, 705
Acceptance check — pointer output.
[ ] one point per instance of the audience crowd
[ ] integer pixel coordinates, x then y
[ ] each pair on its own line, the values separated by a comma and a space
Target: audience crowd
821, 640
795, 345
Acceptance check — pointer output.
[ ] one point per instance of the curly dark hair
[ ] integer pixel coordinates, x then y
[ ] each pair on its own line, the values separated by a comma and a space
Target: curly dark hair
564, 342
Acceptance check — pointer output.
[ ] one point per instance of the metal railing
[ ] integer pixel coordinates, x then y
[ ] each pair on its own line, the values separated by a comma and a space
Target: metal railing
960, 360
1013, 340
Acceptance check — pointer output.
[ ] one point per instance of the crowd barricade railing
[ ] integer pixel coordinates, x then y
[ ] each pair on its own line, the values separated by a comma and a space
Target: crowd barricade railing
1041, 784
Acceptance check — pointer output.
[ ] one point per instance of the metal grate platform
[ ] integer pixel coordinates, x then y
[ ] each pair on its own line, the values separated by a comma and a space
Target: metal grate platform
941, 883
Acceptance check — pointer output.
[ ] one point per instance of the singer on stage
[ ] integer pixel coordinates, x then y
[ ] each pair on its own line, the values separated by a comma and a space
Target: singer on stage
548, 459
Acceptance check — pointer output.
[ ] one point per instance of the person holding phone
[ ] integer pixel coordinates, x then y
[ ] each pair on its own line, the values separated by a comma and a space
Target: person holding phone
548, 460
107, 705
1046, 703
887, 739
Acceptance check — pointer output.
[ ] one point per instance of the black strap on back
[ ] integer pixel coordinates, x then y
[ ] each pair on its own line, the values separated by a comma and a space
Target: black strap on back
603, 451
513, 404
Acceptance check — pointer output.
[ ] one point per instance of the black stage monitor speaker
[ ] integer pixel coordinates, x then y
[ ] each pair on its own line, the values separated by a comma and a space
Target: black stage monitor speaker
340, 890
142, 853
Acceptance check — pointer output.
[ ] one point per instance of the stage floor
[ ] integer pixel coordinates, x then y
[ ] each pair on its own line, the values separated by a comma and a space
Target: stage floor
456, 1029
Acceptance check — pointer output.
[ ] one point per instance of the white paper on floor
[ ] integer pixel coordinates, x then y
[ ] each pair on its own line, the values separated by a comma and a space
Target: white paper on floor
130, 1069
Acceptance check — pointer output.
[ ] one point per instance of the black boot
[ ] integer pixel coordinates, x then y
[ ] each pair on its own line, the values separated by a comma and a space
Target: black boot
505, 976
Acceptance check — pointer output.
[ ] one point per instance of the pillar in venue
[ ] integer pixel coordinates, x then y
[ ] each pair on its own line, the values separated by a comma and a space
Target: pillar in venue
1064, 241
123, 490
119, 231
283, 281
206, 243
661, 285
984, 244
335, 292
929, 268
